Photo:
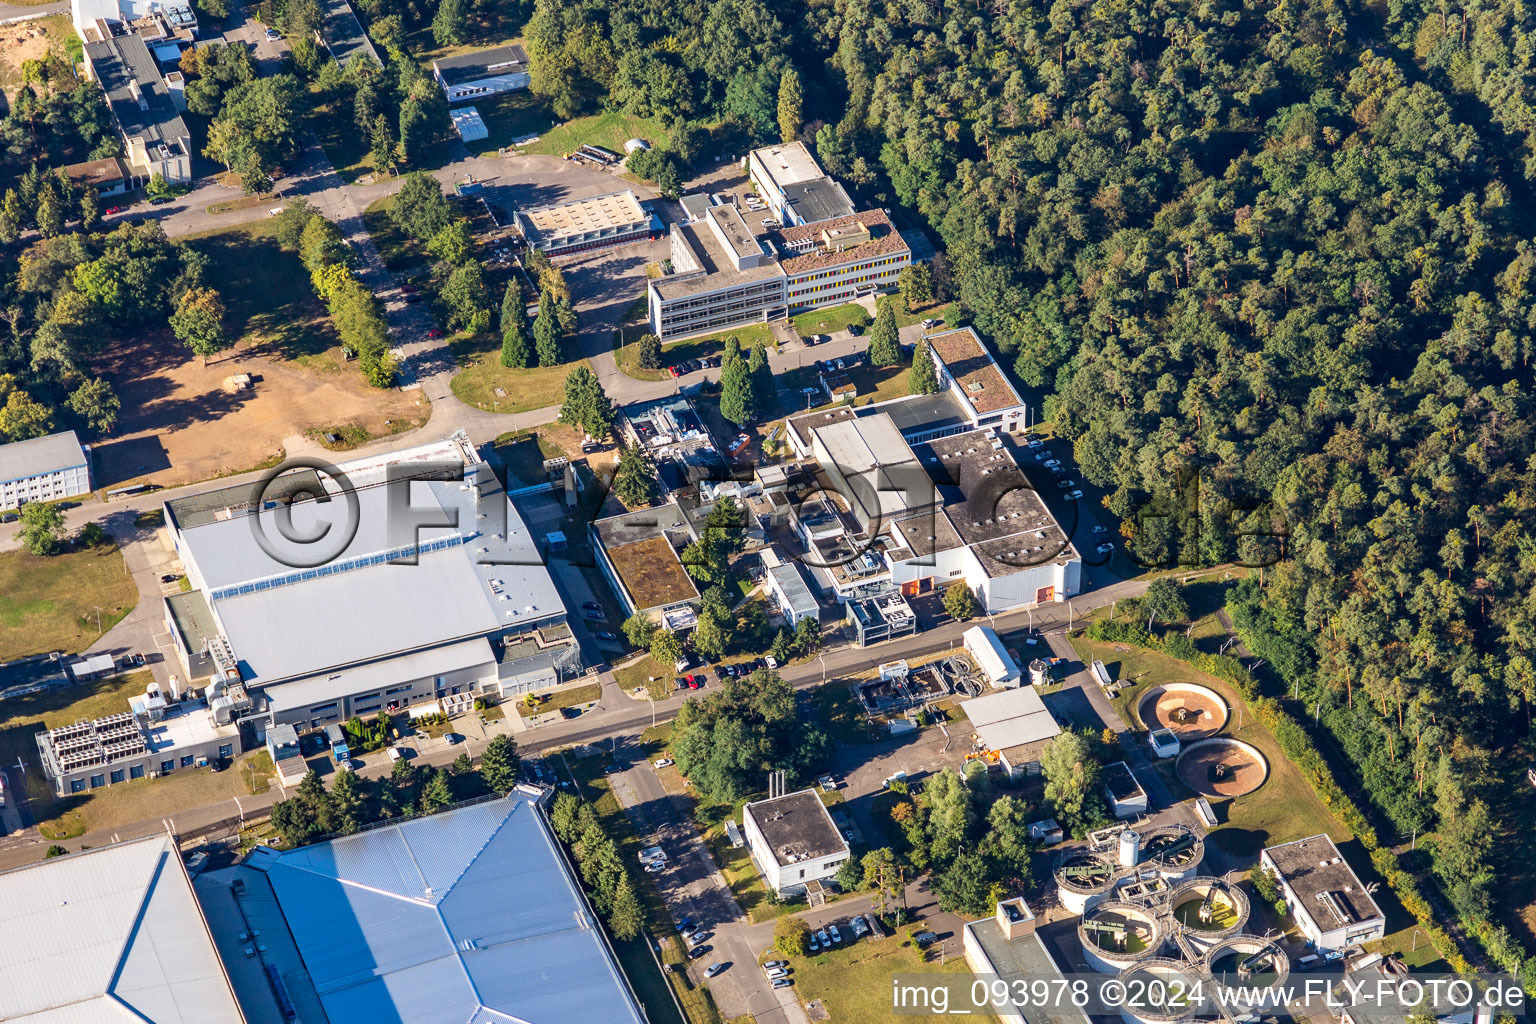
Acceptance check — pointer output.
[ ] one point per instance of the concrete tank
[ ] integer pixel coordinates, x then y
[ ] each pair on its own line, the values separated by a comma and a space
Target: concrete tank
1083, 878
1116, 935
1163, 990
1130, 848
1174, 851
1248, 960
1208, 910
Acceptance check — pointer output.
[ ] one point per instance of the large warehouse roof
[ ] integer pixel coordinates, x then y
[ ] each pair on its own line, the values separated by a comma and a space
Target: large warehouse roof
110, 936
1011, 718
466, 916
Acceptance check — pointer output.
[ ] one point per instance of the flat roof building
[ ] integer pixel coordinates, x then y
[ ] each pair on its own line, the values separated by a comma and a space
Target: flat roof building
638, 555
44, 469
794, 186
1015, 723
430, 921
582, 224
467, 122
972, 376
469, 76
401, 613
793, 840
1007, 946
155, 138
991, 656
1331, 906
1126, 797
109, 935
791, 593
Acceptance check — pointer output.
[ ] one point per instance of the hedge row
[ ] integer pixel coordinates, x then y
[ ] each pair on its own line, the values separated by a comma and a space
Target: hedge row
1298, 747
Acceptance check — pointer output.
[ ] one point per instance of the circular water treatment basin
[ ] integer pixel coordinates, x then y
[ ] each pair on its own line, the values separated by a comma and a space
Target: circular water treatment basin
1116, 934
1192, 712
1222, 767
1209, 907
1171, 849
1160, 990
1247, 959
1086, 872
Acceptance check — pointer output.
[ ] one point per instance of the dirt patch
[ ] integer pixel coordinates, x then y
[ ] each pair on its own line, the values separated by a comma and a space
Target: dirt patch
182, 423
1222, 768
29, 40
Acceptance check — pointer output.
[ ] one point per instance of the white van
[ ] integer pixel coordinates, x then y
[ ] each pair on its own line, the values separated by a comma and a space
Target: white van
394, 754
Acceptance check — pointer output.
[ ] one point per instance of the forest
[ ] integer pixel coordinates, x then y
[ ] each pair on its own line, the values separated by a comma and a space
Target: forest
1270, 266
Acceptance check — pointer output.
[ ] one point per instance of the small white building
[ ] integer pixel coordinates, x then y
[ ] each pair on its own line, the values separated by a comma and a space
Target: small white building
793, 841
44, 469
791, 594
991, 656
1126, 797
468, 123
1165, 742
1325, 896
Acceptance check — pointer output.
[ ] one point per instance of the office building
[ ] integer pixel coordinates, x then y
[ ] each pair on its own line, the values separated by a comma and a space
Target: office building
794, 186
585, 224
410, 609
44, 469
155, 138
793, 841
471, 76
107, 935
637, 552
1333, 909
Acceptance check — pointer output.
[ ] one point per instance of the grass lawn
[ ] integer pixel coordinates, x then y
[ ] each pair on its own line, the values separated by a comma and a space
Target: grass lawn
875, 384
345, 145
837, 318
399, 251
948, 312
610, 129
266, 291
672, 353
842, 715
561, 699
50, 603
854, 981
355, 435
745, 880
1283, 809
638, 674
481, 377
1413, 946
512, 115
121, 804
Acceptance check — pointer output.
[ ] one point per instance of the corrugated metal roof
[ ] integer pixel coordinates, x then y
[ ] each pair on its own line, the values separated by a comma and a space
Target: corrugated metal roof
464, 916
1011, 718
989, 651
787, 578
109, 935
39, 455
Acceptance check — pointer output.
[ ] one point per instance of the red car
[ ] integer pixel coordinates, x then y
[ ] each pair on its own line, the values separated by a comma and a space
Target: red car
113, 209
434, 333
672, 370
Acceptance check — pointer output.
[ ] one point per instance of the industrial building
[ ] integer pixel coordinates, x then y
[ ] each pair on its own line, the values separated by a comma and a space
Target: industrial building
154, 737
146, 103
469, 76
585, 224
793, 841
1331, 906
426, 921
1126, 797
1014, 724
724, 272
637, 553
967, 371
880, 616
1005, 945
468, 124
790, 593
991, 656
413, 609
794, 186
44, 469
110, 934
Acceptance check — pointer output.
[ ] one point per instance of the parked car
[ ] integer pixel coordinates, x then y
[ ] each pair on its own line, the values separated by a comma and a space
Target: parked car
1052, 463
772, 661
769, 965
855, 329
776, 974
1073, 495
434, 333
814, 946
933, 322
832, 931
592, 606
1034, 444
924, 938
701, 951
395, 754
453, 738
860, 929
114, 209
781, 983
697, 939
1106, 548
713, 969
821, 937
273, 33
169, 577
1098, 530
673, 371
664, 762
655, 867
684, 923
1066, 484
689, 928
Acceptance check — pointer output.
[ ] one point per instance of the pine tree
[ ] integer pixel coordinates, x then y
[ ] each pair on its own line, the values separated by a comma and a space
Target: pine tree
436, 794
762, 374
634, 482
546, 331
625, 918
922, 378
737, 403
790, 103
885, 337
499, 764
514, 328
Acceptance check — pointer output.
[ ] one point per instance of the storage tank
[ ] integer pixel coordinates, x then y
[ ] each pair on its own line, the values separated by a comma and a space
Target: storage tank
1208, 910
1083, 878
1115, 935
1130, 847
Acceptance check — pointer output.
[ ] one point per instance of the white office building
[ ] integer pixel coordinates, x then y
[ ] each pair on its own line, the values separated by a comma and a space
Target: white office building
793, 841
44, 469
1325, 896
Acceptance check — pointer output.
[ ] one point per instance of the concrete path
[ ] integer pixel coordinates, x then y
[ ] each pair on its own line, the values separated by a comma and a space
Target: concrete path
10, 13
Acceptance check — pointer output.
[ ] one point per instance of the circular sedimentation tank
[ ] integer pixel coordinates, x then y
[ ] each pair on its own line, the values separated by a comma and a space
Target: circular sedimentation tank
1174, 851
1208, 910
1115, 935
1192, 712
1222, 767
1247, 959
1161, 990
1083, 878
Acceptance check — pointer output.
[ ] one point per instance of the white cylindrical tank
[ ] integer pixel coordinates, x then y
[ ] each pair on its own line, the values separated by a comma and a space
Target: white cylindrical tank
1130, 848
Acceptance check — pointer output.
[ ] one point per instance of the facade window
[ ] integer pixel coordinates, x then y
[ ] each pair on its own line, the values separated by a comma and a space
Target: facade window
97, 781
117, 776
77, 785
318, 708
135, 771
166, 767
186, 760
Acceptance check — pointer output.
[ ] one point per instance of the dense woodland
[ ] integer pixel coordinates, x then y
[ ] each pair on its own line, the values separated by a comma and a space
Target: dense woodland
1270, 263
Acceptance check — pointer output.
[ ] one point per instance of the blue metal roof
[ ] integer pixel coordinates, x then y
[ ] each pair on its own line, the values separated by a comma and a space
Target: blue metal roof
470, 915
